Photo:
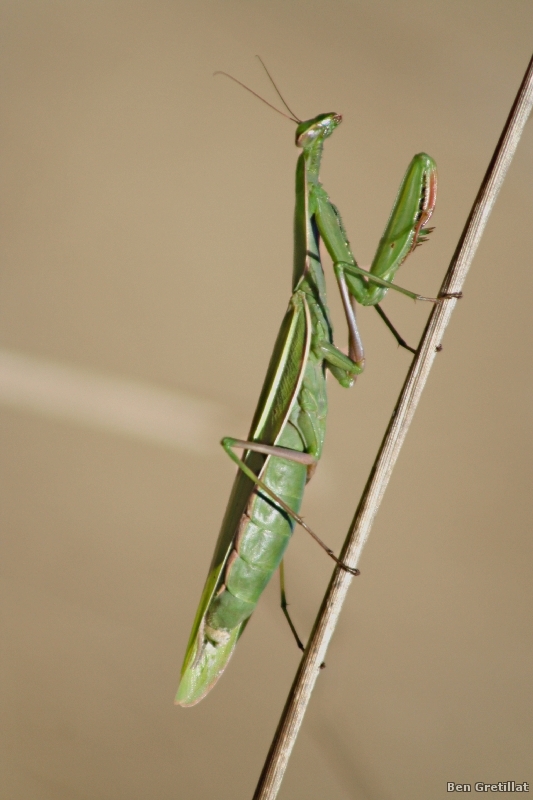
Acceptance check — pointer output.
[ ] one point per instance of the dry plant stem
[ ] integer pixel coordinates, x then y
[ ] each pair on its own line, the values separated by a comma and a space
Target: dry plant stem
315, 653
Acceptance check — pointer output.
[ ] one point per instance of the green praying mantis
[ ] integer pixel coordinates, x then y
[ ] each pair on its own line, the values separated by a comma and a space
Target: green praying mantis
287, 432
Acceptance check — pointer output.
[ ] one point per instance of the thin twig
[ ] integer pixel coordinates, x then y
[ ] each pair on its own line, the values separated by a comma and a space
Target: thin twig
309, 669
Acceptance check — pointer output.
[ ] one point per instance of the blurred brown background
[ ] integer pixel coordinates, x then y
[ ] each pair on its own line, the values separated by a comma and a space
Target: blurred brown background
147, 224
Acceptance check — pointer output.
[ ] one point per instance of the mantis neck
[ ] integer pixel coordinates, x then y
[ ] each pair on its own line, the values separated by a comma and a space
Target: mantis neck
313, 157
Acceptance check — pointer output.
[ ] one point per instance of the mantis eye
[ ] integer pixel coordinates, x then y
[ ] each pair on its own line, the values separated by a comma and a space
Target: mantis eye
306, 137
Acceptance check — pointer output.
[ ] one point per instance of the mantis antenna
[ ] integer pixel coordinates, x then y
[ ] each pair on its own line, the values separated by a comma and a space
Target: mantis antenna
273, 82
292, 118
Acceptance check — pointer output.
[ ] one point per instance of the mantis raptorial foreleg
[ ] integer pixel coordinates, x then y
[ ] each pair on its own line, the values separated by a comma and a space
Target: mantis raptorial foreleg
406, 230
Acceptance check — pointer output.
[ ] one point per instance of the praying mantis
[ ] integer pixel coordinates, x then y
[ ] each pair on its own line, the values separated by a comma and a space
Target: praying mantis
287, 433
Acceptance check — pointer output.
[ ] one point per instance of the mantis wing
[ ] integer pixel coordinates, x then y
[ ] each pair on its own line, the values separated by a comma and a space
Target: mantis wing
204, 661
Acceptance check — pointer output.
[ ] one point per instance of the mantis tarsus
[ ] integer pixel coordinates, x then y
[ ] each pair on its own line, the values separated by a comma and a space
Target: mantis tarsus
287, 432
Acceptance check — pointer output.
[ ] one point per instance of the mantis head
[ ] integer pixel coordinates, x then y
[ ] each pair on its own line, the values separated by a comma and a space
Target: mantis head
321, 127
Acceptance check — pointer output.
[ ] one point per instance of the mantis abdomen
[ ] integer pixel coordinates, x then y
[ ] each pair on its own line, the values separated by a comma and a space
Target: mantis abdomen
261, 539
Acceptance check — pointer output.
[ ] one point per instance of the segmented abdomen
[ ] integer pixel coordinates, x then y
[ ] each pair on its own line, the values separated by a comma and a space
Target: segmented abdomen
261, 540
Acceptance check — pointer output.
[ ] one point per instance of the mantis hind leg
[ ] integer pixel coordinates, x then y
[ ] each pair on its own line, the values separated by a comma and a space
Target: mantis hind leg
293, 455
284, 608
